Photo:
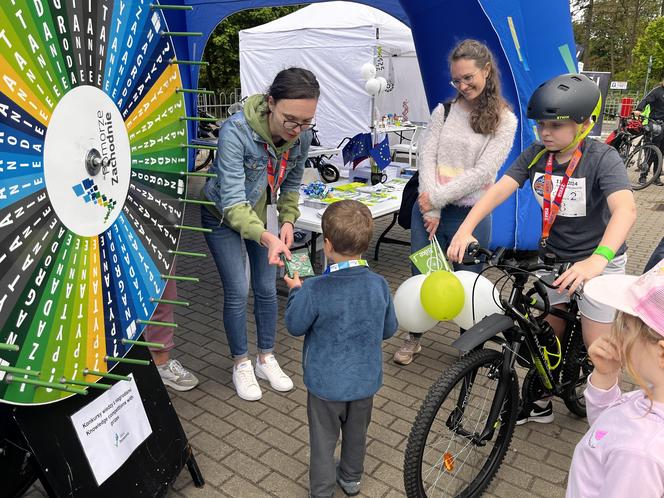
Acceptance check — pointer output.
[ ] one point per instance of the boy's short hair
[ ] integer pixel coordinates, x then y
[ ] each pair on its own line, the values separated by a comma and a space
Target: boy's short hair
348, 225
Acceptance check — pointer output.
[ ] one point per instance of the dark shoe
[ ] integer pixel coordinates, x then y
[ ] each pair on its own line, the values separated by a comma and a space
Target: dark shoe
350, 488
540, 411
642, 178
658, 182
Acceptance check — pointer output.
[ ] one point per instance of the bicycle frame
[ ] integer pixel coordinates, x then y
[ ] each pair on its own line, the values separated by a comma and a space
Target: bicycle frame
518, 327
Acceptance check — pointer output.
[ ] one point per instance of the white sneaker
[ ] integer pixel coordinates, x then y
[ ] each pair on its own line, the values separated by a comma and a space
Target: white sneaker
245, 382
270, 370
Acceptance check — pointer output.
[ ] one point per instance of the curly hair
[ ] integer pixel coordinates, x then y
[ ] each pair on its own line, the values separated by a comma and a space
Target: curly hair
485, 116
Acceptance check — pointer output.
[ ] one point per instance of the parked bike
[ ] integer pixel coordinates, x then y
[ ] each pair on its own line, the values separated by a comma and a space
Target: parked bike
465, 425
635, 141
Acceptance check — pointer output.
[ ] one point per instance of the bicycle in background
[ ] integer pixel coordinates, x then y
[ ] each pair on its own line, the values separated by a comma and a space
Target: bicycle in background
635, 142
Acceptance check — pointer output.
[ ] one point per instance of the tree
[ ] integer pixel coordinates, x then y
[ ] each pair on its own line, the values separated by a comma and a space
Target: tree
650, 43
222, 50
608, 30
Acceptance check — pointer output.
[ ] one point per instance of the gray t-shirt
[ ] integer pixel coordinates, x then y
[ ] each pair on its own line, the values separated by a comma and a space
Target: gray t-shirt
584, 214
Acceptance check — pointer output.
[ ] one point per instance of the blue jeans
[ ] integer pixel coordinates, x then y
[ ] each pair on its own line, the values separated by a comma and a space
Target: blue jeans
226, 247
451, 218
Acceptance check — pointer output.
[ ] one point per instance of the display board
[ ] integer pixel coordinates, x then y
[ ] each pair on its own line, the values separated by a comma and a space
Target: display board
93, 138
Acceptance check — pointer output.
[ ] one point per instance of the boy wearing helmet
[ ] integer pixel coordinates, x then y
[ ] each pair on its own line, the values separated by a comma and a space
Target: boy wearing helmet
587, 203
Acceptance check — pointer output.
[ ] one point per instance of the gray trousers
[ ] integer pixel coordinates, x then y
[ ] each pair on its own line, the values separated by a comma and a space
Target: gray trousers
326, 418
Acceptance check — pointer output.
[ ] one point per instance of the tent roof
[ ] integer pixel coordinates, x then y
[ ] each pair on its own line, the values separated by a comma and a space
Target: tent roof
327, 16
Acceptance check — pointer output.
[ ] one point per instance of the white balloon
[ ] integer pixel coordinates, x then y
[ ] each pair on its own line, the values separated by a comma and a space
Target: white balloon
372, 86
368, 71
383, 83
485, 298
408, 307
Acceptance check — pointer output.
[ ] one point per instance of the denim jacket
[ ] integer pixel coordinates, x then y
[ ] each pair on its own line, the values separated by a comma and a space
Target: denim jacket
241, 169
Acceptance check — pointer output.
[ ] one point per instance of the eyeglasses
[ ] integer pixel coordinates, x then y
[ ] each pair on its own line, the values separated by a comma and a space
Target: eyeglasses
466, 80
291, 125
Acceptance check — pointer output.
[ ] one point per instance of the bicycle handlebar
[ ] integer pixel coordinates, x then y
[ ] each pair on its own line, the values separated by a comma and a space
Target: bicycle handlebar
498, 258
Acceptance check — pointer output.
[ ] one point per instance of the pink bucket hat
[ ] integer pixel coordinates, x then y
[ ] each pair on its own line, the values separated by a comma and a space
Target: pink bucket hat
639, 296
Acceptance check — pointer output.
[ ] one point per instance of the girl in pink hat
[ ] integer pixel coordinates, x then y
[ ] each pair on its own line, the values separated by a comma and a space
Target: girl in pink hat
623, 452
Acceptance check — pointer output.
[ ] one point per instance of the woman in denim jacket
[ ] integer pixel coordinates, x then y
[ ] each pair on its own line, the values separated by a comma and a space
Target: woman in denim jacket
259, 167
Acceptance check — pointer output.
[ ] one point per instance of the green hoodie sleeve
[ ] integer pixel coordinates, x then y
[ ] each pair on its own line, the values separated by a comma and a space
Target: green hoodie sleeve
287, 207
244, 220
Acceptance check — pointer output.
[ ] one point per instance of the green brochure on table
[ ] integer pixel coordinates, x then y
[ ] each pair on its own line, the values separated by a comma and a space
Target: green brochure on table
299, 263
428, 259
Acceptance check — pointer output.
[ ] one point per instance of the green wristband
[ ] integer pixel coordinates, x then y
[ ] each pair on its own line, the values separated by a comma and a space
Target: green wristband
605, 252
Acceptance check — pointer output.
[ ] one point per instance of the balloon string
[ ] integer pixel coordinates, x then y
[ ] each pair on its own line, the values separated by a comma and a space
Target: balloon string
440, 254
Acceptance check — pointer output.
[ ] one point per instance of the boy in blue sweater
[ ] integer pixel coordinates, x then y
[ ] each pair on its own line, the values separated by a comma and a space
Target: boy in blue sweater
344, 314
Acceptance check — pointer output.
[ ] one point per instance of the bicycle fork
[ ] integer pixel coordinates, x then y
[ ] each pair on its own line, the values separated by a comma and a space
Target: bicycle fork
504, 379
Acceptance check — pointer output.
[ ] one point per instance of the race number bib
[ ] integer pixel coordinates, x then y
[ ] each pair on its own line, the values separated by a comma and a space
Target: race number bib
574, 199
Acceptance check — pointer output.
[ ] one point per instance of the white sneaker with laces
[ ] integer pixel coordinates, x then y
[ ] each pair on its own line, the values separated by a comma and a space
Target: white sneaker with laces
270, 370
245, 382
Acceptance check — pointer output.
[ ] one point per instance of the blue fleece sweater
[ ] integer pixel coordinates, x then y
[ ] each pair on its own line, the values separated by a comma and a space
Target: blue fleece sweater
344, 316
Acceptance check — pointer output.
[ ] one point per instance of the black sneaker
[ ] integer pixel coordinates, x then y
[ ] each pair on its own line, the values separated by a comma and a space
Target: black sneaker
642, 178
540, 411
658, 182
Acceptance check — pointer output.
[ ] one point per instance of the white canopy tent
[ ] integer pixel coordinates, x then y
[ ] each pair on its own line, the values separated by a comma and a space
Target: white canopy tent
334, 40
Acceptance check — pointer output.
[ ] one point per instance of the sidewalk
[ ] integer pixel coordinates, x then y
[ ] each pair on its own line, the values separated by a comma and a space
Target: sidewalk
260, 449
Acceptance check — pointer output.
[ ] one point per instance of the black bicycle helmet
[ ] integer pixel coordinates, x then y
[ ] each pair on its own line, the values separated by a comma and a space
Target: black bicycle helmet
568, 96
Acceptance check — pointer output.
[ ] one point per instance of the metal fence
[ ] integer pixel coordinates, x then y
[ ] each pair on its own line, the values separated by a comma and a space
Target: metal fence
217, 105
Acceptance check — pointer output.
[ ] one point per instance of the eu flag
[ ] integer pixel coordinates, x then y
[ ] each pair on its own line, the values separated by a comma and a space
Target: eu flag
357, 149
381, 153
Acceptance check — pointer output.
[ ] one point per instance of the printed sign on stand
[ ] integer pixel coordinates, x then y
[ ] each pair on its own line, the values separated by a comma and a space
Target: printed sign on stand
111, 428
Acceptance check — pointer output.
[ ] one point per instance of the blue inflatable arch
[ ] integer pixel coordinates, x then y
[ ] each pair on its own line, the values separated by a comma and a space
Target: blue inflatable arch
532, 41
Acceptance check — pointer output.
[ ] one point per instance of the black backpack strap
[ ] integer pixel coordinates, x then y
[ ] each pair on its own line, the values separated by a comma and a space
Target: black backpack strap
447, 106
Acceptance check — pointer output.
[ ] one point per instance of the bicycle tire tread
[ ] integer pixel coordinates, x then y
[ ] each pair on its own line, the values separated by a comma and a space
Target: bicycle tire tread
430, 406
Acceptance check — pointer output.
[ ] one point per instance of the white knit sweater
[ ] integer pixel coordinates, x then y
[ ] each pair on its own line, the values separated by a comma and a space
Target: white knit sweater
456, 164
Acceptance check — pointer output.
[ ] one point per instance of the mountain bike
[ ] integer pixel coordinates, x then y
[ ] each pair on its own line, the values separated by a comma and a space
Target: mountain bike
465, 425
634, 141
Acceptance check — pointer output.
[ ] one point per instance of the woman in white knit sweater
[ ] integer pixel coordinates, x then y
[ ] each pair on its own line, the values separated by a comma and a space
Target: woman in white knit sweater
460, 156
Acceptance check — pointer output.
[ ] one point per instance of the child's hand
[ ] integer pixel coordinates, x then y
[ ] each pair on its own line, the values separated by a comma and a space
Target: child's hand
293, 282
580, 272
605, 355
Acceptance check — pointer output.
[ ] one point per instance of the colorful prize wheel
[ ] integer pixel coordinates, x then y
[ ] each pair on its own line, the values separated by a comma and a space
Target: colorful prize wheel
92, 155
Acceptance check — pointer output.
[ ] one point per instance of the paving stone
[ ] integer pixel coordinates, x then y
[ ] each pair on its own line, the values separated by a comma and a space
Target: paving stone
279, 485
267, 440
283, 463
245, 466
209, 444
238, 487
242, 440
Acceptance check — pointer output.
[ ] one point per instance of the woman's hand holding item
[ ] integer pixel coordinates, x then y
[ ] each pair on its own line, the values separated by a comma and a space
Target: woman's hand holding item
286, 234
275, 247
431, 226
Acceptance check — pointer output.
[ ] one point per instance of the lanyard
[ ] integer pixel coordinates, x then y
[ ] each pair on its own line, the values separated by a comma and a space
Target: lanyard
351, 263
283, 165
550, 211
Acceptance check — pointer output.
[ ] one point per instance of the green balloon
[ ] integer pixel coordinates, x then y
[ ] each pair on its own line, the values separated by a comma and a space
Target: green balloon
442, 295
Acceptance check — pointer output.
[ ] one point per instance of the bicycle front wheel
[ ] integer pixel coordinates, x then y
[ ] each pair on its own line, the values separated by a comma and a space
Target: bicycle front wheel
444, 456
644, 165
